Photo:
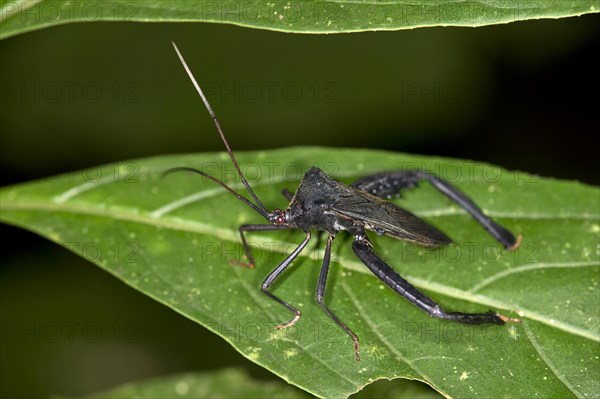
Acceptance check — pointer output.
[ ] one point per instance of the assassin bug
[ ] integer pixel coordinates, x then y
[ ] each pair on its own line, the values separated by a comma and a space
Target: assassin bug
323, 204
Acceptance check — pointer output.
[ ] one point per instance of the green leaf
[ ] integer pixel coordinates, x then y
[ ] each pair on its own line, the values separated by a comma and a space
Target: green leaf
228, 383
303, 16
175, 240
235, 383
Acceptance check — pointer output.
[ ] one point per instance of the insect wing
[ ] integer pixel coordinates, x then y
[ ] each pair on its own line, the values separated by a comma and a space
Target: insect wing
386, 218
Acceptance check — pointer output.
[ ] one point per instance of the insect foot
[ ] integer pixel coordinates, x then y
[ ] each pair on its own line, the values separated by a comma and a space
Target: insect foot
247, 265
506, 319
291, 322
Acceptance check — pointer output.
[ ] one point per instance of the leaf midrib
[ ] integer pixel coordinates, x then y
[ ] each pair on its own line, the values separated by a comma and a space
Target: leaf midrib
179, 224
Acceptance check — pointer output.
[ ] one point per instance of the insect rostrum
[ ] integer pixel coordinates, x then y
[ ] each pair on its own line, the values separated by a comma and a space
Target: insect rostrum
323, 204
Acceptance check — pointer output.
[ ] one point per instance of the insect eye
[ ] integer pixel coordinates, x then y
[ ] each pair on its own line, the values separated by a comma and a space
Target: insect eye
278, 217
281, 218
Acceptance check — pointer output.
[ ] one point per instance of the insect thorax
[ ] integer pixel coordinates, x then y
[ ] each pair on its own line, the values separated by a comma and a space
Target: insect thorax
312, 201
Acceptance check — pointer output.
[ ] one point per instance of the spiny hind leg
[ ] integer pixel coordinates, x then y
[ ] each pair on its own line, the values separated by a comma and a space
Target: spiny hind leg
364, 250
387, 184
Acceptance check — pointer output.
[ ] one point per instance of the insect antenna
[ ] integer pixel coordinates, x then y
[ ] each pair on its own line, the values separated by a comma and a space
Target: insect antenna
259, 207
222, 183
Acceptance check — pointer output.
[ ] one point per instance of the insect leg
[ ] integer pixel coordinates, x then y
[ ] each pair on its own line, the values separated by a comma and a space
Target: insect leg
386, 184
275, 273
321, 296
255, 227
501, 234
287, 194
364, 250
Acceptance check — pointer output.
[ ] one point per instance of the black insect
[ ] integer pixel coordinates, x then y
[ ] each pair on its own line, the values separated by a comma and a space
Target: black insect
323, 204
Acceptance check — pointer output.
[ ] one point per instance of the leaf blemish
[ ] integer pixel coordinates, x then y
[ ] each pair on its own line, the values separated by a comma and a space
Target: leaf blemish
254, 353
377, 352
513, 333
289, 353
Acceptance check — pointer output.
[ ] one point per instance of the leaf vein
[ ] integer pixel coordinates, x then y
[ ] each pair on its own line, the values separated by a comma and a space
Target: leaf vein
550, 365
526, 268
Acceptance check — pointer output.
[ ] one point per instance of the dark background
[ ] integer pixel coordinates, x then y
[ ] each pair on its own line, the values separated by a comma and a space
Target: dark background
523, 96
